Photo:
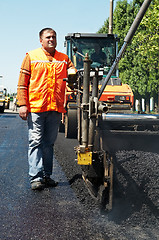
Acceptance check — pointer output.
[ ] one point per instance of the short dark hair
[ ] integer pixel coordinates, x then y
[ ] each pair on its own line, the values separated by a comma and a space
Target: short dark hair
46, 29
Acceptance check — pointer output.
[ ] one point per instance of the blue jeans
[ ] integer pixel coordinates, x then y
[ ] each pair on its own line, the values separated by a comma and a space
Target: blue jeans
43, 130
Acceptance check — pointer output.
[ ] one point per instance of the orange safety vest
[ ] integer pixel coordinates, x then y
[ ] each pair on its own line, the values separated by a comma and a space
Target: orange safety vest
47, 88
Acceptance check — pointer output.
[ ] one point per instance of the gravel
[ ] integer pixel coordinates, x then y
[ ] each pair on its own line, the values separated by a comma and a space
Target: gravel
135, 212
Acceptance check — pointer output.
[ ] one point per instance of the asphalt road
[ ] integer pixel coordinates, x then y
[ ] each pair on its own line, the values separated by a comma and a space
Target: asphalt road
68, 212
54, 213
135, 213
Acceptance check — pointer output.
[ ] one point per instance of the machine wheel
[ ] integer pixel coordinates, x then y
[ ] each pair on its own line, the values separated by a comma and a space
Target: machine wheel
2, 109
71, 123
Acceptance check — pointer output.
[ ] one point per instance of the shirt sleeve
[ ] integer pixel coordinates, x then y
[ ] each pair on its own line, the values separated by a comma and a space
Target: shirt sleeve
23, 83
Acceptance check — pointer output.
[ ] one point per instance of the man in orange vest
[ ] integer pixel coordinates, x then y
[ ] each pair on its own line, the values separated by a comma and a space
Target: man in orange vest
41, 92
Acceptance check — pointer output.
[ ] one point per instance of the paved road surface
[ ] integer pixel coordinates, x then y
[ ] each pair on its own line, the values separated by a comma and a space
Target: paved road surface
28, 215
65, 213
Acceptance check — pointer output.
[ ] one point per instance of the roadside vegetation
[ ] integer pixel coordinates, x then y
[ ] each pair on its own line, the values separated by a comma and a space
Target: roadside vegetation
140, 64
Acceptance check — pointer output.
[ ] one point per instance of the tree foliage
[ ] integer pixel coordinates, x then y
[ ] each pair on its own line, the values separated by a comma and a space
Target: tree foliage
139, 66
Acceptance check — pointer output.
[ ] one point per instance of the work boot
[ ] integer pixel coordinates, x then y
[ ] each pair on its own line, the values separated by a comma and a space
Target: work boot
37, 185
50, 182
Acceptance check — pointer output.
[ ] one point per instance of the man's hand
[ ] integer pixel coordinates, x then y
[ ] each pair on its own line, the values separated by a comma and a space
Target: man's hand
23, 112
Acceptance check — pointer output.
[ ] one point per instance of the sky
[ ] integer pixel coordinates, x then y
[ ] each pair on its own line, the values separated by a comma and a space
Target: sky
21, 21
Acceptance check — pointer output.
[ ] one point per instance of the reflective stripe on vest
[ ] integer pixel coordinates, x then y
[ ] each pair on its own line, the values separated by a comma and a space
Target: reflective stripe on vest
38, 61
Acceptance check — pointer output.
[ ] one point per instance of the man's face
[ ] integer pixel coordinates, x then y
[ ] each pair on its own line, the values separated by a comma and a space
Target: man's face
48, 41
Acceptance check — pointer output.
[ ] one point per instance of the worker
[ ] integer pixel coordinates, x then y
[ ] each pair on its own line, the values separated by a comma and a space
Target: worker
98, 56
41, 92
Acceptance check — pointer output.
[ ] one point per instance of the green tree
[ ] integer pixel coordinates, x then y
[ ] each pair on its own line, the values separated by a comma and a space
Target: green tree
139, 66
145, 56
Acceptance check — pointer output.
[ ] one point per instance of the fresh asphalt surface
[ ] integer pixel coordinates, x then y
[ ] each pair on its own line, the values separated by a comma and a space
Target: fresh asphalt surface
67, 212
54, 213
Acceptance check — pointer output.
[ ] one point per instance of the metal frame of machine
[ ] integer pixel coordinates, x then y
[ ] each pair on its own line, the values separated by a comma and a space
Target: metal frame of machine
96, 163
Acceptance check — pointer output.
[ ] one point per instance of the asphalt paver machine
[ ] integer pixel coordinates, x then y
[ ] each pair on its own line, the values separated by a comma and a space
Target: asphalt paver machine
102, 50
96, 163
